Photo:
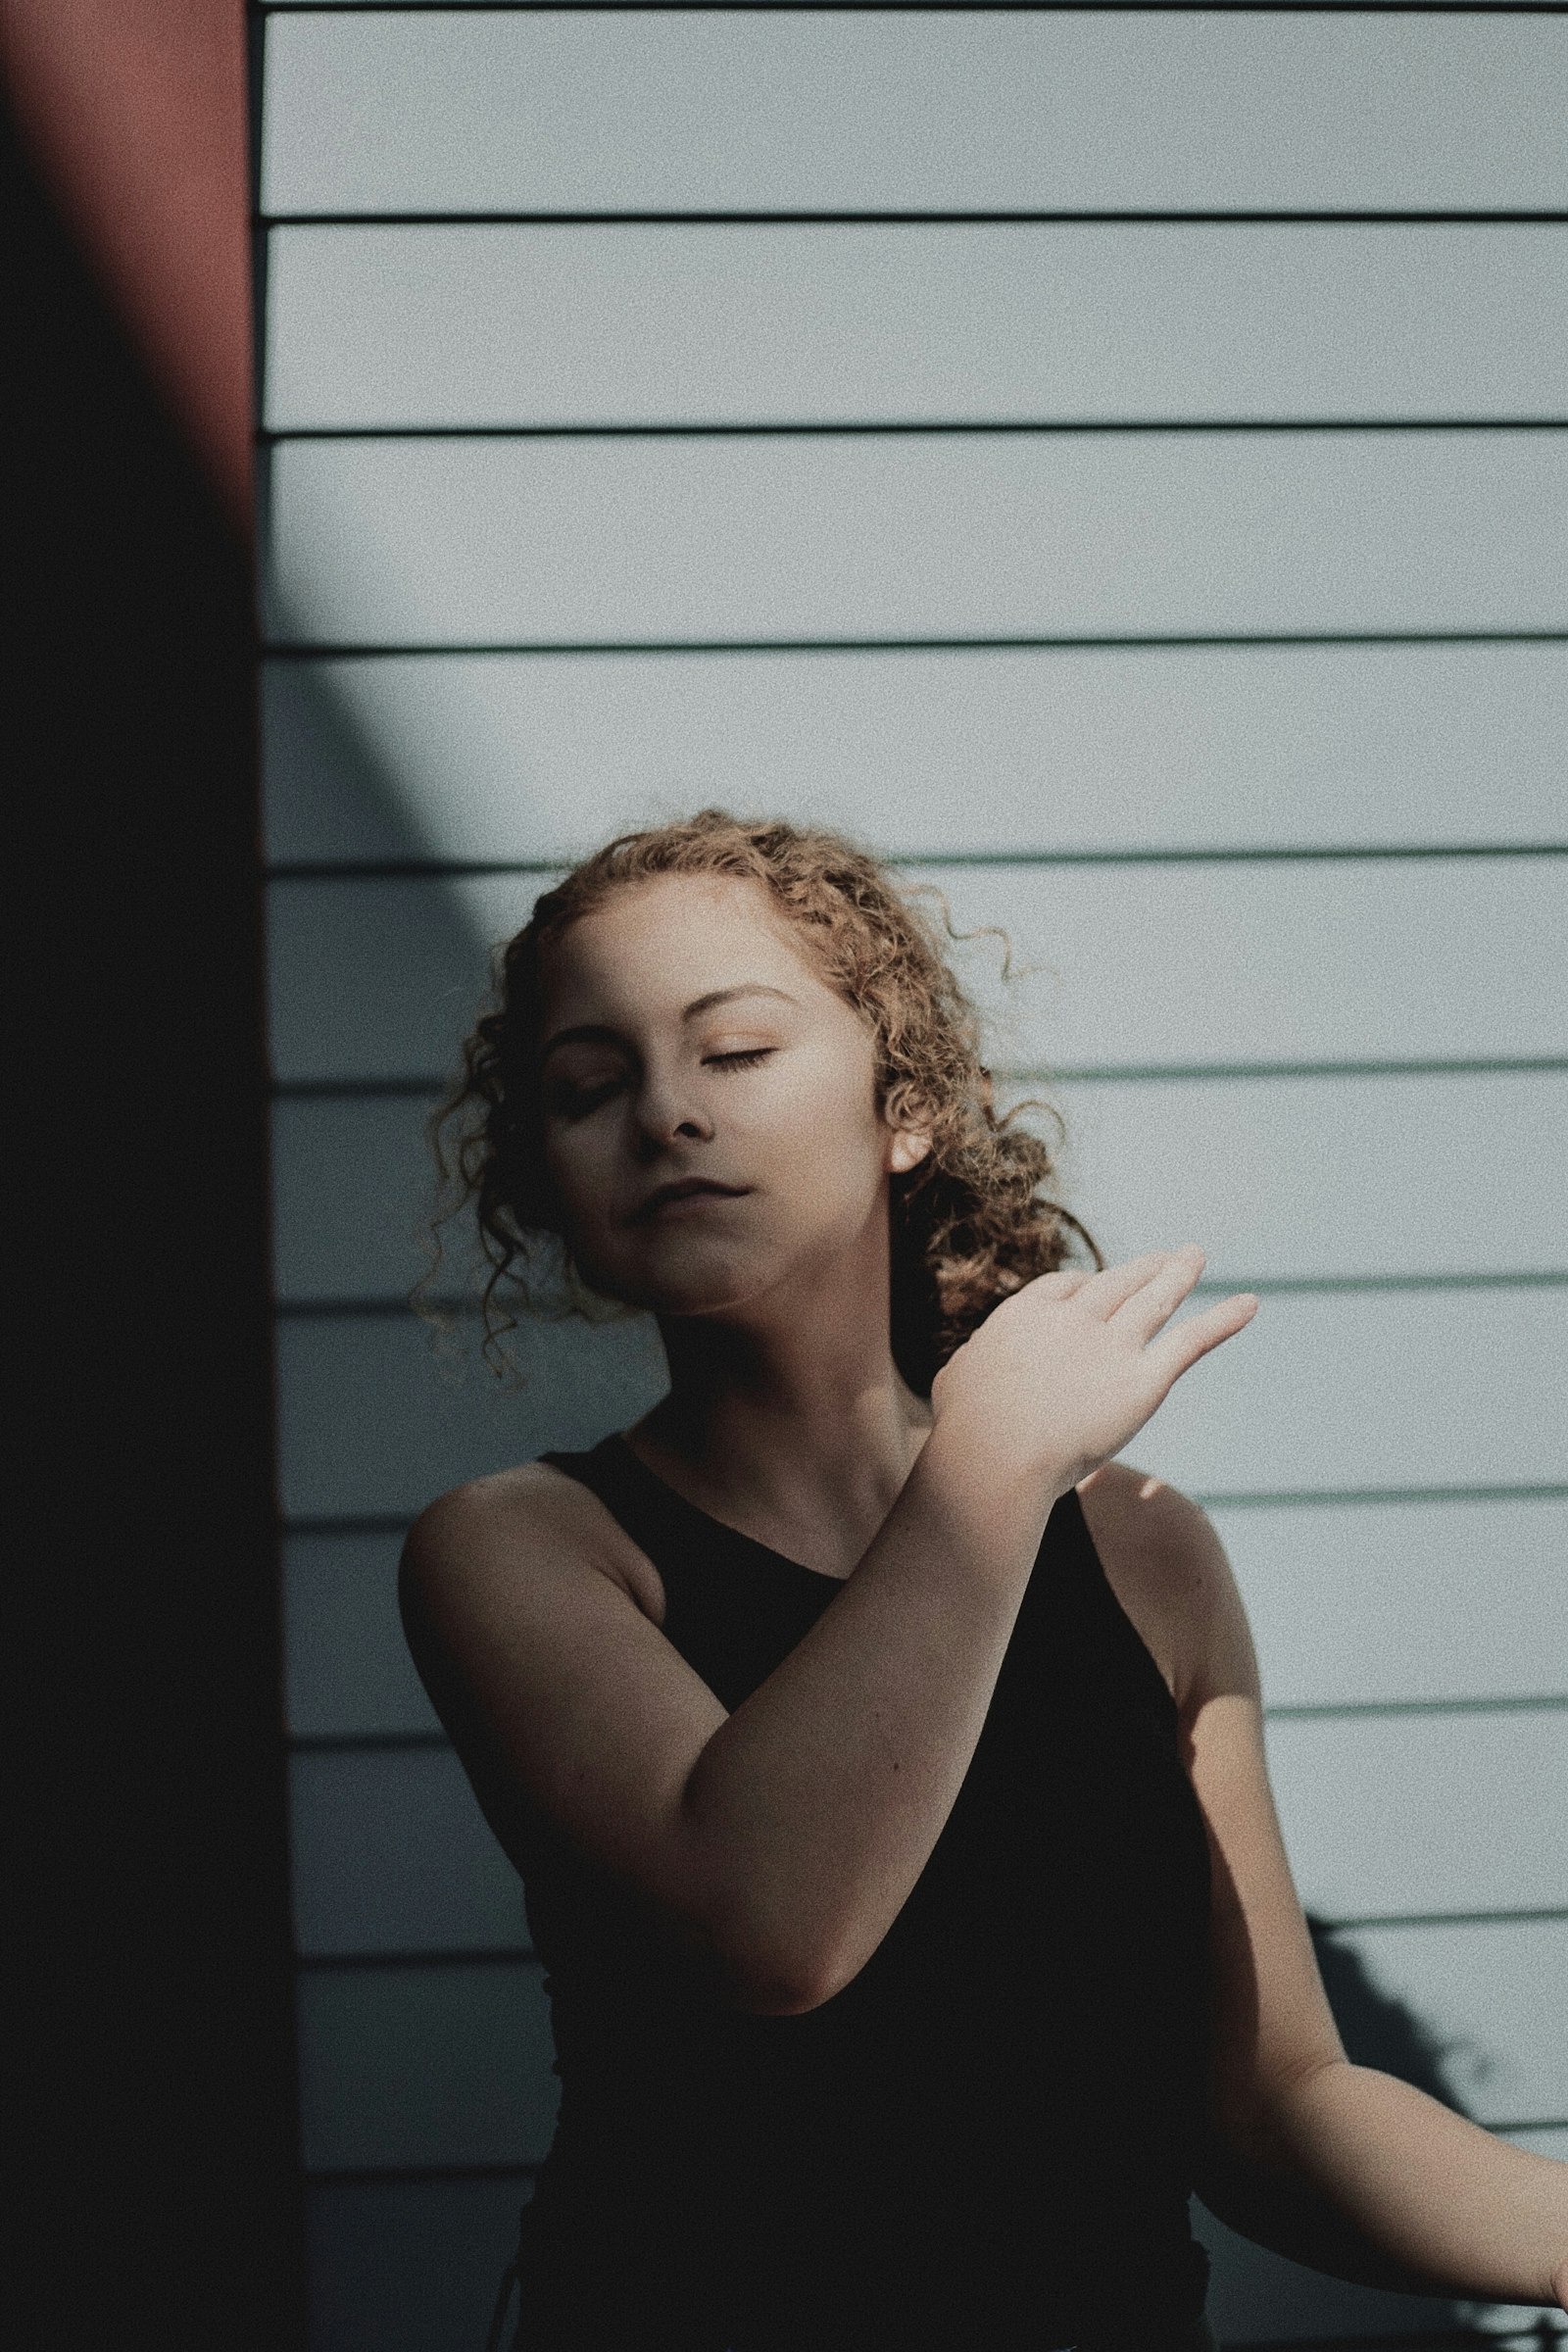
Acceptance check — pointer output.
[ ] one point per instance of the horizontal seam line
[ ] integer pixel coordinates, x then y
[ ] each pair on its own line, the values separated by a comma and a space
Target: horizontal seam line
607, 8
418, 869
1545, 1915
929, 216
271, 436
332, 650
387, 1308
403, 1960
359, 2175
348, 1524
414, 1742
501, 1955
1544, 1702
418, 1085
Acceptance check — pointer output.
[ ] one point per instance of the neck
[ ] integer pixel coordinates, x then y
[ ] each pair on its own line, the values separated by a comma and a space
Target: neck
795, 1413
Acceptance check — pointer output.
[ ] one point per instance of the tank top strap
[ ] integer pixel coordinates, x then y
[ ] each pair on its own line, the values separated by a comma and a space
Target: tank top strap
1079, 1589
651, 1514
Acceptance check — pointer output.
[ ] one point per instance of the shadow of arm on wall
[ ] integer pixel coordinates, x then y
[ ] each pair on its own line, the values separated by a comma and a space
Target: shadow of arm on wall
1287, 2268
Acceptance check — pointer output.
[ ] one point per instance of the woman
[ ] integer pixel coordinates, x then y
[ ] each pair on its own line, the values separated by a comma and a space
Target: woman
882, 1758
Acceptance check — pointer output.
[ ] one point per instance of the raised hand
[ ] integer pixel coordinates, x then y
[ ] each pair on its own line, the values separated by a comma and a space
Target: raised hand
1059, 1376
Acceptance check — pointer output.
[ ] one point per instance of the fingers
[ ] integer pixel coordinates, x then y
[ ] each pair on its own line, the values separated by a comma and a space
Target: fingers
1155, 1298
1061, 1281
1182, 1347
1105, 1292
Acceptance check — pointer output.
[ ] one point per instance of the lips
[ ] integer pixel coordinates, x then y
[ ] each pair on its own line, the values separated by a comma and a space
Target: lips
689, 1188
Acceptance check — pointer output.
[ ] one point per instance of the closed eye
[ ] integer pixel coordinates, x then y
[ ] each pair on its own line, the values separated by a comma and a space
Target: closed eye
744, 1059
576, 1102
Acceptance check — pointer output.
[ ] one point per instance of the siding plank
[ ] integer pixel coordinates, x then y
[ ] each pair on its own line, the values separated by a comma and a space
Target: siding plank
1382, 1816
687, 325
833, 110
446, 2066
1489, 1996
1369, 1603
372, 1422
1318, 1394
348, 1672
1071, 749
1370, 1176
1302, 1177
1256, 965
1351, 1604
408, 2266
391, 1853
429, 2066
1387, 1815
834, 536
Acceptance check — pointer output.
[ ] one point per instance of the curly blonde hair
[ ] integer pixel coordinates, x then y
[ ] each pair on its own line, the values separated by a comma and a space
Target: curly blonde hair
969, 1222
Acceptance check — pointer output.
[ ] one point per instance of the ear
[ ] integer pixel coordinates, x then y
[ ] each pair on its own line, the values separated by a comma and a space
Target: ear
907, 1149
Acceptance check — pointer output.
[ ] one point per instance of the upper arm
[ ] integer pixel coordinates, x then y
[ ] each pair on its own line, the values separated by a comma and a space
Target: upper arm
565, 1702
1271, 2018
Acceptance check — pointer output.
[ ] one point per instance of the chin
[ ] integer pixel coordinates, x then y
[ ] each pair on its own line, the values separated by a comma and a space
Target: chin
693, 1289
690, 1281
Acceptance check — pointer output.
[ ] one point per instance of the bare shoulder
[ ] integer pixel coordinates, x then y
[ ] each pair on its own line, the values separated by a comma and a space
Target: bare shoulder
481, 1535
1169, 1570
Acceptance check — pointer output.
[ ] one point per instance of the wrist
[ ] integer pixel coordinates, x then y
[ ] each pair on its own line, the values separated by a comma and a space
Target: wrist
995, 1490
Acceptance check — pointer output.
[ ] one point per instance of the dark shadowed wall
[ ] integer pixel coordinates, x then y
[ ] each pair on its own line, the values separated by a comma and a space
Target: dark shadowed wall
155, 2134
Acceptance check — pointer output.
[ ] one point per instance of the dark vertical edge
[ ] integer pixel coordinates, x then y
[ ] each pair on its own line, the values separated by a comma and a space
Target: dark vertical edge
154, 2089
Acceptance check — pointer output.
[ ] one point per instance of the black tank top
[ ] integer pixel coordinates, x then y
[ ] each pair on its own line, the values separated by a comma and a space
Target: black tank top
986, 2138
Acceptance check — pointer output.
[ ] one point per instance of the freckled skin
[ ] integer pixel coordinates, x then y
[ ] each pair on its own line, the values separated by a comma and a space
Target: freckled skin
799, 1125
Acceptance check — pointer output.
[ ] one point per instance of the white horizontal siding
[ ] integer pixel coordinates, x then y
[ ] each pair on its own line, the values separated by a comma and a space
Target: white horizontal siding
1277, 1177
1399, 1815
1489, 1991
833, 110
373, 1423
1427, 960
451, 2065
1368, 1604
1306, 1177
538, 757
1424, 1814
1084, 748
680, 325
1354, 1603
786, 538
1319, 1394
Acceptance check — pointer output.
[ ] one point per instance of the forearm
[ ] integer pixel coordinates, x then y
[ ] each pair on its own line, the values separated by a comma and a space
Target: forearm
1362, 2175
818, 1802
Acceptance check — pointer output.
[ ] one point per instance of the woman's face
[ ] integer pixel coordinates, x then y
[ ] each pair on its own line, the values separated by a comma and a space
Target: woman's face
688, 1040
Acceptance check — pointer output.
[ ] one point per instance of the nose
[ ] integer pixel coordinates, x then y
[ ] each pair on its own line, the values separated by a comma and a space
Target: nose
664, 1111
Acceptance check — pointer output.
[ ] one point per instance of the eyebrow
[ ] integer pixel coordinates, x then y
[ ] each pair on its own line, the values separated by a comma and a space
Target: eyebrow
601, 1033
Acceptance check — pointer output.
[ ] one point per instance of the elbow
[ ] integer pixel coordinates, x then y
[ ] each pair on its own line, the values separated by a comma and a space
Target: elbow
1252, 2125
747, 1966
785, 1989
765, 1991
782, 1986
778, 2000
